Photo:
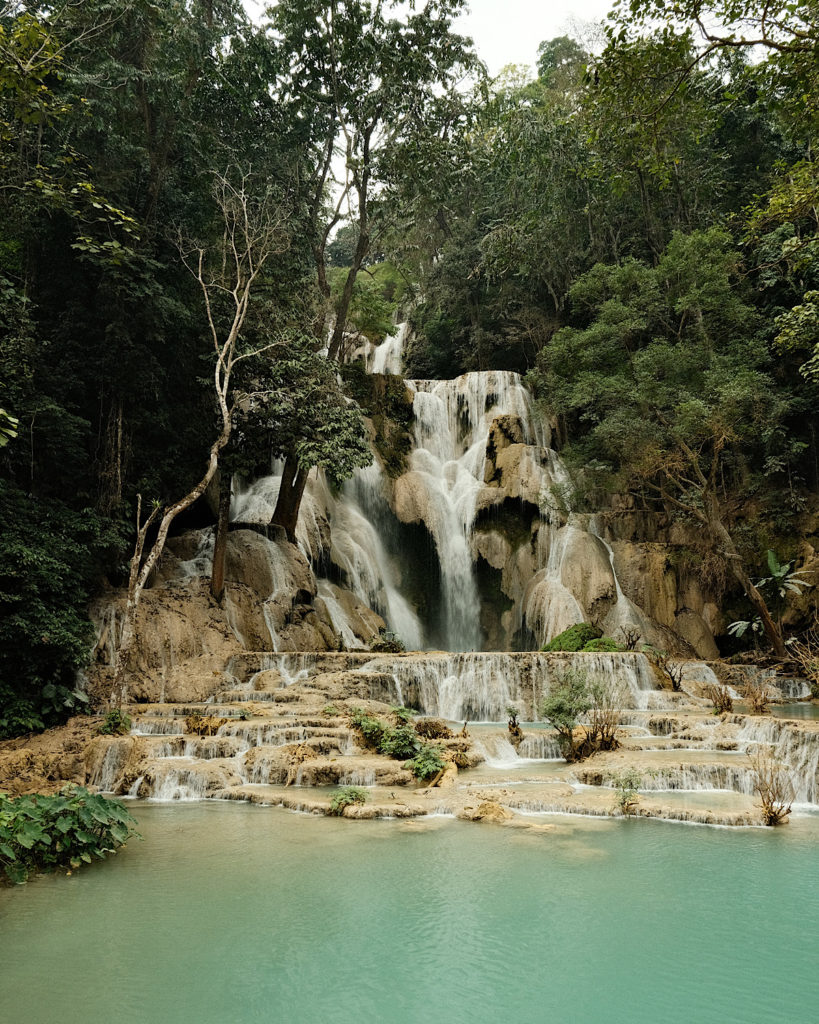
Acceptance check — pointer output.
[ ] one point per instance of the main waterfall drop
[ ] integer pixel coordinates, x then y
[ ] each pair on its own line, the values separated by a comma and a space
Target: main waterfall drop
467, 542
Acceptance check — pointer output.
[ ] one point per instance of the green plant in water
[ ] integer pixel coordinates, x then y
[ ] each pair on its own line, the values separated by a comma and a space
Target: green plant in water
63, 831
626, 784
570, 699
115, 723
345, 796
428, 762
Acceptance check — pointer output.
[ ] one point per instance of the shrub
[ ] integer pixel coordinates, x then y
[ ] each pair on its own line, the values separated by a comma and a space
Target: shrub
345, 796
428, 762
515, 731
67, 830
400, 743
370, 727
626, 784
758, 696
574, 696
574, 638
721, 698
404, 715
773, 783
387, 643
331, 711
433, 729
564, 705
115, 723
603, 643
631, 637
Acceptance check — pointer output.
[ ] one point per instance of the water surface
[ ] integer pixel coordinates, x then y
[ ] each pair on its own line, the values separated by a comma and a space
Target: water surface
235, 914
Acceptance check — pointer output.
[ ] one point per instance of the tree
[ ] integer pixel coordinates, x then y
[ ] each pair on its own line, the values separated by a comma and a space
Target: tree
666, 379
226, 272
564, 705
360, 81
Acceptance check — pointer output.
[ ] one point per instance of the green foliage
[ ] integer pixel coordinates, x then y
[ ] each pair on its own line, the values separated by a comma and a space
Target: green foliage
400, 743
574, 638
47, 832
370, 727
564, 705
346, 796
603, 643
115, 723
626, 783
331, 711
49, 562
428, 762
404, 714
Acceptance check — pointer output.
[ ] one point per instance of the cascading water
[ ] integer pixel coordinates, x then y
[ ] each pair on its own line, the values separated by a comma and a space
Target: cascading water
479, 687
387, 357
453, 419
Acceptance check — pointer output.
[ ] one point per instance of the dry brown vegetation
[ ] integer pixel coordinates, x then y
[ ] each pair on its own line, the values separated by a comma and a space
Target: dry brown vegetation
720, 697
758, 696
773, 783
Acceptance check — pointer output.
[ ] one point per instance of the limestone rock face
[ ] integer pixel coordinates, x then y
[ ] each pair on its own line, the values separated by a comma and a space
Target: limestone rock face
410, 498
489, 811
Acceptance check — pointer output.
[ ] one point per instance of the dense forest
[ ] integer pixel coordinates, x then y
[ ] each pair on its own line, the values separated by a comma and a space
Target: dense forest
200, 213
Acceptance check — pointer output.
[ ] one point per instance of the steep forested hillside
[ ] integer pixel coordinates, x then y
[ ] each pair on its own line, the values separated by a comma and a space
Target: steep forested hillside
200, 215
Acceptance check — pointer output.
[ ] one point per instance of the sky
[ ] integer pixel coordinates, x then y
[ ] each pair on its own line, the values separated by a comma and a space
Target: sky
508, 31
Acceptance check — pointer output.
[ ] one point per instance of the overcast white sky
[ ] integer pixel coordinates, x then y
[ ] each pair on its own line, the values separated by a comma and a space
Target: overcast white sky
508, 31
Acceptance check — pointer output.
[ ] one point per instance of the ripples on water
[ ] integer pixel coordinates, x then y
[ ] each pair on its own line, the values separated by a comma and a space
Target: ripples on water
240, 914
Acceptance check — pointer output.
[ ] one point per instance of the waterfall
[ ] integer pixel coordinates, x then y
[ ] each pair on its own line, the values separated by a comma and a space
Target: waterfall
388, 356
792, 745
478, 687
359, 550
453, 419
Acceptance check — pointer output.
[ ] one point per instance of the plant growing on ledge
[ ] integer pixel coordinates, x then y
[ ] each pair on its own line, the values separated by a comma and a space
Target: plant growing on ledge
515, 731
370, 727
428, 762
773, 784
574, 638
346, 796
401, 743
805, 651
626, 784
115, 723
573, 697
758, 696
720, 697
387, 643
563, 707
631, 637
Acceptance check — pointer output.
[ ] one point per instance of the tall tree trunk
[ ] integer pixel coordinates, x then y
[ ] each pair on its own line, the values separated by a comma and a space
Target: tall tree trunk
344, 303
217, 577
772, 631
294, 480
